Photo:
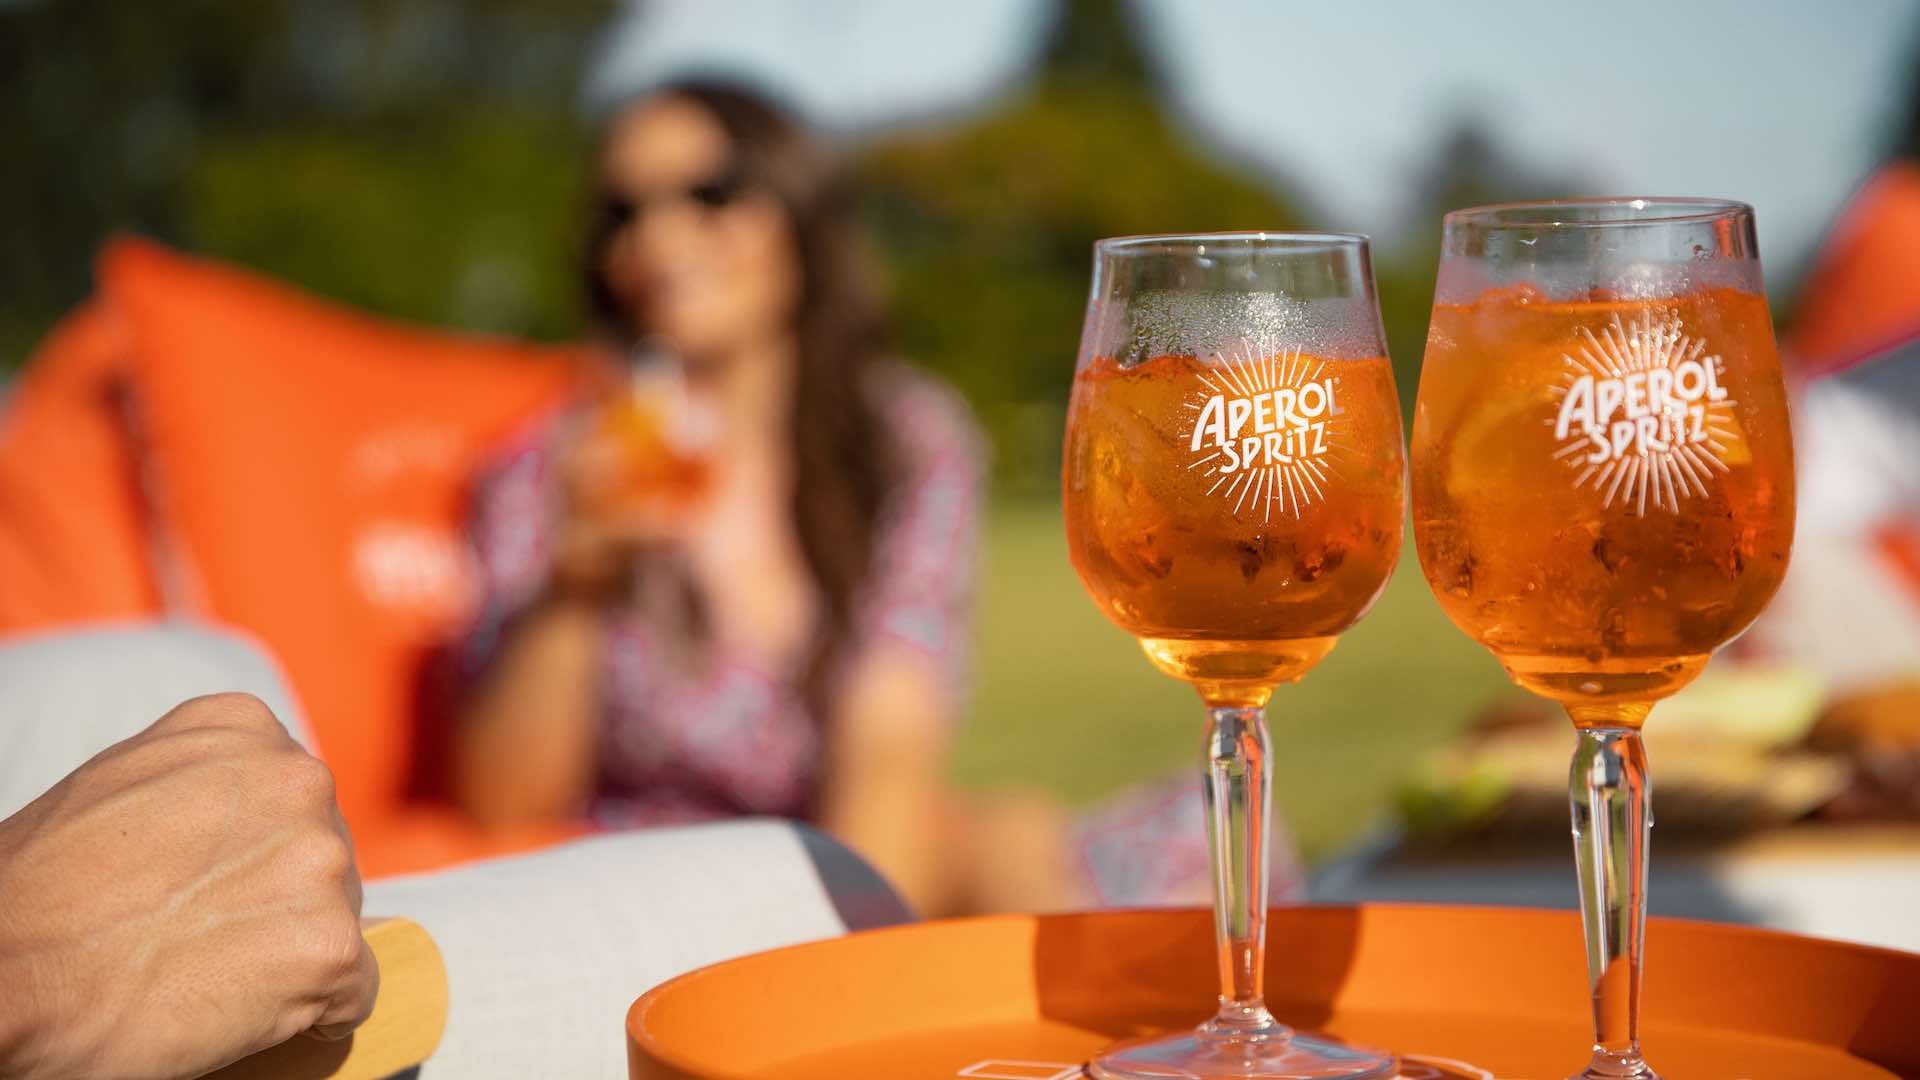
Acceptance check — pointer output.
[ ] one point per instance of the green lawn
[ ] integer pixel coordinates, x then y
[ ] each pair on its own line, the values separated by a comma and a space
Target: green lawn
1065, 701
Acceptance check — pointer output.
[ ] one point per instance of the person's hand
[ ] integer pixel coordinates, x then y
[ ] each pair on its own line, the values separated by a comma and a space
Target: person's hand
185, 898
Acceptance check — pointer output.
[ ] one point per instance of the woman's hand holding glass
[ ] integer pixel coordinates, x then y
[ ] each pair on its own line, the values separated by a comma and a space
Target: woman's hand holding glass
634, 477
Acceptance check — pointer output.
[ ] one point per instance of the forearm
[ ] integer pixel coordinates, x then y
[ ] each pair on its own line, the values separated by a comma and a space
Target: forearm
45, 1030
902, 821
19, 1005
22, 1026
24, 1032
885, 794
524, 748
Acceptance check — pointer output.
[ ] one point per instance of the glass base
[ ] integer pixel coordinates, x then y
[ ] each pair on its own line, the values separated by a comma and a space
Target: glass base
1280, 1054
1608, 1066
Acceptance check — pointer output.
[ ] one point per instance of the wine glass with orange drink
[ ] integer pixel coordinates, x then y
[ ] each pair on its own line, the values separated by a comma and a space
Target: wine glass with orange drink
659, 439
1603, 495
1234, 489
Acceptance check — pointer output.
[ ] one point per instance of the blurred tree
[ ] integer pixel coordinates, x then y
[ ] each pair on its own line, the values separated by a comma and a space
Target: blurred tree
462, 217
417, 157
423, 159
987, 225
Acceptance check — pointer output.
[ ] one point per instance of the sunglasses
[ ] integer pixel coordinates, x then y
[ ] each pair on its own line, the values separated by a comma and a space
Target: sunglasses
714, 193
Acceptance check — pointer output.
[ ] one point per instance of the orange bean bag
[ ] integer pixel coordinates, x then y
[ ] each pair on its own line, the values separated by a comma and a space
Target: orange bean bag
310, 467
1861, 300
1862, 295
74, 544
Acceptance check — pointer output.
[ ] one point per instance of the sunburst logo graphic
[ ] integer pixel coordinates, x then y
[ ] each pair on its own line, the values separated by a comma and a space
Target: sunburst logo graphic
1642, 414
1265, 429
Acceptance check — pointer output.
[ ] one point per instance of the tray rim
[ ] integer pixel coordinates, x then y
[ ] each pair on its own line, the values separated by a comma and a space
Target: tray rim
640, 1040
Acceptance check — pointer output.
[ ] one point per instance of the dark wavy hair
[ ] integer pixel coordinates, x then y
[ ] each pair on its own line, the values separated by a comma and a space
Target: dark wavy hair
842, 463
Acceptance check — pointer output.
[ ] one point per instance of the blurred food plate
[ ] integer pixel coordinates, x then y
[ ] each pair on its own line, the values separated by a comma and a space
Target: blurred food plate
1727, 756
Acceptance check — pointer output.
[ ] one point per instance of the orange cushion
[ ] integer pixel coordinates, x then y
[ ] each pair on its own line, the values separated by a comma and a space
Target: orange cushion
315, 464
72, 543
1863, 294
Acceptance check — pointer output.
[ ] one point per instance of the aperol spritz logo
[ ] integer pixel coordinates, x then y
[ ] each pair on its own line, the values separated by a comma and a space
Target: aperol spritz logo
1642, 414
1265, 430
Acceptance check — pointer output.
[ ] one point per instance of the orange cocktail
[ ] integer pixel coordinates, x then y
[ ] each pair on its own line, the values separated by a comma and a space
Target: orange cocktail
659, 441
1603, 490
1234, 517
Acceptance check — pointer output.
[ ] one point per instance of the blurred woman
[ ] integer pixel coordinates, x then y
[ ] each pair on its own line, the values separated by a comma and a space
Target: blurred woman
768, 613
785, 631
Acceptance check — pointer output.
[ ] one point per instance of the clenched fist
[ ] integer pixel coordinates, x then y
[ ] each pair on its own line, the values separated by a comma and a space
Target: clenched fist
185, 898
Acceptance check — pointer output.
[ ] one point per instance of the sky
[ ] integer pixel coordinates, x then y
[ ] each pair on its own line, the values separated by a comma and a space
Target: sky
1782, 103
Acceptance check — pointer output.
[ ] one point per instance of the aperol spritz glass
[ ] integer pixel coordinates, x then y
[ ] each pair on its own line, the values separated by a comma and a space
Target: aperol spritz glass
1603, 495
1234, 489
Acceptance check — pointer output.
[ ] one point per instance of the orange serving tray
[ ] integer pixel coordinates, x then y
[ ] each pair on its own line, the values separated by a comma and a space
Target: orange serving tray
1472, 993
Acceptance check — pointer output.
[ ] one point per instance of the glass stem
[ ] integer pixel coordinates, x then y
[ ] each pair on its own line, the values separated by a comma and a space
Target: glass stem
1237, 784
1611, 801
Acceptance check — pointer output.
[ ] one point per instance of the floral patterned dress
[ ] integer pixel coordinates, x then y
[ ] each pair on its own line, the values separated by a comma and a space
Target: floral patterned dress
732, 735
